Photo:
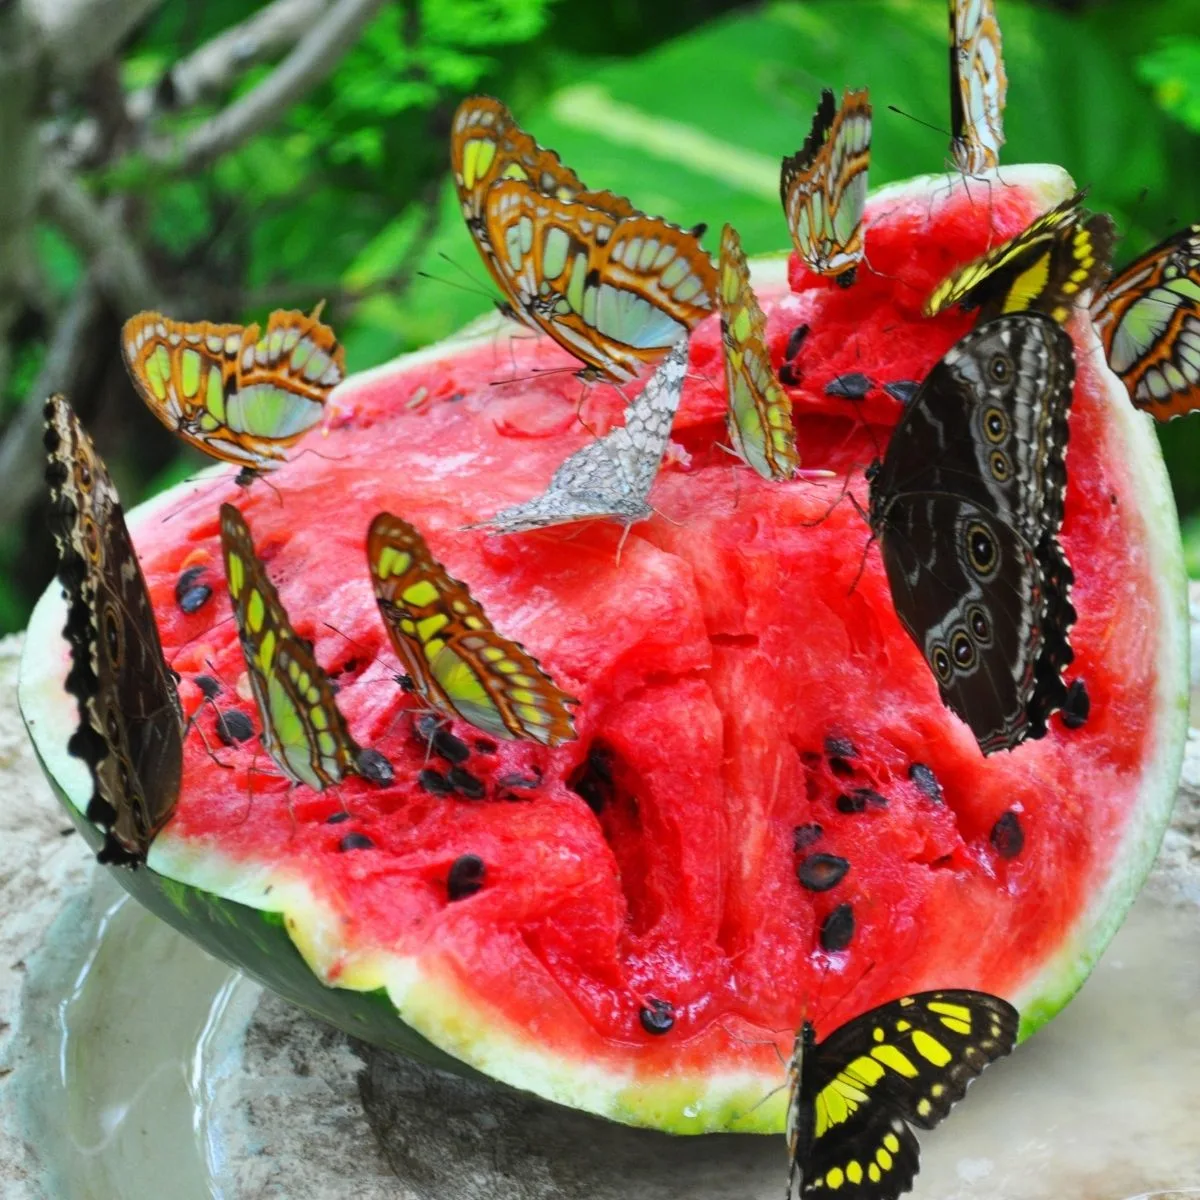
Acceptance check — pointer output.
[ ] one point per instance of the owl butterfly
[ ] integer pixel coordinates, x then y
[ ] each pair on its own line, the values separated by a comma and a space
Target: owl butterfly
235, 392
977, 86
130, 731
610, 477
967, 505
303, 729
824, 187
456, 660
760, 414
1049, 267
1148, 318
854, 1095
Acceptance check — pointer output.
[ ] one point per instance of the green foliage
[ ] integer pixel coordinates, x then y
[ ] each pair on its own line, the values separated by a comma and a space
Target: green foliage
1173, 70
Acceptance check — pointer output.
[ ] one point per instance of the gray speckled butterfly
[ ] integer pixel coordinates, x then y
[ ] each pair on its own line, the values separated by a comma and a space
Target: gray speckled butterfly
130, 730
967, 506
612, 476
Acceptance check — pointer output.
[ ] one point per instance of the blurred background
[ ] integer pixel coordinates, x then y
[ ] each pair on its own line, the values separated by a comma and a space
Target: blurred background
217, 159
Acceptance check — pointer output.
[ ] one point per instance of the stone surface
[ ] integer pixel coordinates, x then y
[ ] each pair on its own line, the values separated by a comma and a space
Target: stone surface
144, 1068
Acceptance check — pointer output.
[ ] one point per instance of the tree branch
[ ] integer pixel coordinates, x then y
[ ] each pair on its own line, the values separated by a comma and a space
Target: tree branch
310, 62
75, 35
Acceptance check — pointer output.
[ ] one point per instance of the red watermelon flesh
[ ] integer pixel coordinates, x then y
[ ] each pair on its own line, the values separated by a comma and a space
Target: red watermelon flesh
743, 679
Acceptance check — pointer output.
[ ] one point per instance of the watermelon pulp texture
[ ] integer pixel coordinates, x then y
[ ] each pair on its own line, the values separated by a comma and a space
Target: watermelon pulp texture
744, 680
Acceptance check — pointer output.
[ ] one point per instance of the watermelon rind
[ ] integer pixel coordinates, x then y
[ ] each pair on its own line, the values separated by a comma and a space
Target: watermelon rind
270, 924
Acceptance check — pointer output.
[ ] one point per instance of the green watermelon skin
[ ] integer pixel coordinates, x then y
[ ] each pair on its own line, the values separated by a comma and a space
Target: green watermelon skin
272, 926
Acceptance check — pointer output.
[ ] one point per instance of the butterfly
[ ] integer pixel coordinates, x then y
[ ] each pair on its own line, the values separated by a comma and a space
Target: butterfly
610, 477
486, 146
1148, 318
824, 187
978, 86
616, 292
760, 414
854, 1095
457, 661
1048, 267
233, 391
130, 730
303, 729
967, 505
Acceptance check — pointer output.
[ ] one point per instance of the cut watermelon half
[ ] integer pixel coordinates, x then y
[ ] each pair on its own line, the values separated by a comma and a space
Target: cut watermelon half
764, 772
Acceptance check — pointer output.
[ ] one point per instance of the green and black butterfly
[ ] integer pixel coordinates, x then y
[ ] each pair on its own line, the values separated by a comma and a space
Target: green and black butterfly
854, 1095
967, 505
303, 729
130, 730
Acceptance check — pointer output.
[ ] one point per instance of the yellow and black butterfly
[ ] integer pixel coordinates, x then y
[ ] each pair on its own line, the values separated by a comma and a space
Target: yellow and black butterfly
978, 86
303, 729
235, 392
1050, 267
617, 292
130, 730
760, 414
1148, 317
854, 1095
824, 187
457, 661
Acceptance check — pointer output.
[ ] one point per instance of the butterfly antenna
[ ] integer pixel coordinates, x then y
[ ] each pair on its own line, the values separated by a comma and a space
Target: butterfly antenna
926, 124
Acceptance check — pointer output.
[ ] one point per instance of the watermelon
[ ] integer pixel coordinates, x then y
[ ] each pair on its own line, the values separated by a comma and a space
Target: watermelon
768, 815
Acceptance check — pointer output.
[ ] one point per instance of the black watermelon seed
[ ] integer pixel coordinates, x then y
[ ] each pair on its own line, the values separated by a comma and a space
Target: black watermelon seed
486, 746
374, 767
789, 376
840, 747
453, 749
434, 782
466, 876
657, 1017
804, 836
336, 818
356, 841
859, 800
187, 580
1007, 837
593, 779
1077, 706
208, 685
820, 872
903, 389
795, 341
234, 726
837, 929
427, 724
841, 766
463, 782
194, 599
849, 387
927, 782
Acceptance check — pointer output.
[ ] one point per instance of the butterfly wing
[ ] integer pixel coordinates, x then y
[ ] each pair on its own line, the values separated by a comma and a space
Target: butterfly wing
303, 729
1049, 267
978, 86
907, 1062
824, 187
235, 392
760, 414
612, 476
617, 293
967, 506
131, 726
447, 645
1148, 318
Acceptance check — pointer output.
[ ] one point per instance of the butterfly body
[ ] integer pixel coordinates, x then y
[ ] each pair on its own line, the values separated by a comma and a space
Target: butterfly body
456, 660
1148, 318
1051, 266
612, 476
824, 187
854, 1095
303, 729
238, 393
978, 86
131, 725
967, 505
